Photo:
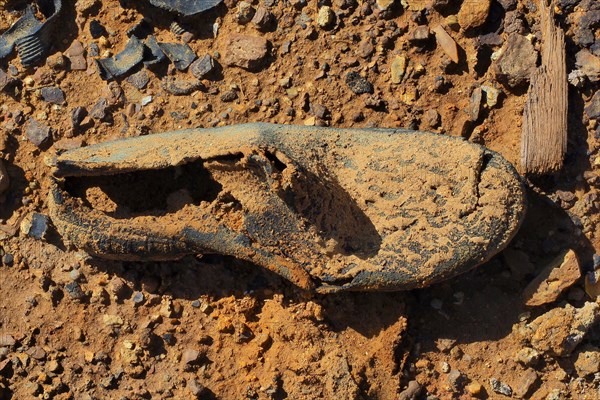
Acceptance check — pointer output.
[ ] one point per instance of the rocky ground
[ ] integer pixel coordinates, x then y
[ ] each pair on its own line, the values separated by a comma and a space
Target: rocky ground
525, 325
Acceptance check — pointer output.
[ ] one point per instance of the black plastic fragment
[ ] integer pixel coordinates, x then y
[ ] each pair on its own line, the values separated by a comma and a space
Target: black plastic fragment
180, 54
30, 36
186, 7
152, 53
120, 64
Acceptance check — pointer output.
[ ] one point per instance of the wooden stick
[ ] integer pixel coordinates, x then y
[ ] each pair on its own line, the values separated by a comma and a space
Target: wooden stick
544, 135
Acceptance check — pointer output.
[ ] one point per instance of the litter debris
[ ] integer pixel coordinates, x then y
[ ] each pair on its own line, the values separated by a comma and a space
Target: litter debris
125, 61
186, 7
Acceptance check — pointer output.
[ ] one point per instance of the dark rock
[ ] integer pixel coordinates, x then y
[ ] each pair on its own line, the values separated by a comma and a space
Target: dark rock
96, 29
98, 112
319, 110
74, 290
229, 96
491, 40
358, 84
500, 387
37, 133
53, 95
513, 23
508, 4
139, 80
517, 61
412, 391
78, 114
35, 226
6, 81
181, 55
203, 66
8, 259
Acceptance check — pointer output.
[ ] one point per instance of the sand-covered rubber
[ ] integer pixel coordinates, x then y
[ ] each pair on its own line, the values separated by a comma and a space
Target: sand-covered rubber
329, 209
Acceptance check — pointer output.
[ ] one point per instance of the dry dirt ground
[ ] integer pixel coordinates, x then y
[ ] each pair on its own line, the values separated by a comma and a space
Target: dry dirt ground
73, 327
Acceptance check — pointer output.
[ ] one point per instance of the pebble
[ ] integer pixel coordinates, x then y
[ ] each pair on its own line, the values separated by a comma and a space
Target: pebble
592, 110
358, 84
6, 81
191, 356
35, 225
78, 114
37, 133
8, 259
112, 320
180, 87
445, 367
528, 356
203, 66
398, 68
37, 353
99, 110
96, 29
245, 12
454, 379
588, 361
516, 62
473, 14
561, 330
413, 391
446, 42
195, 388
263, 19
56, 61
474, 107
474, 388
139, 80
588, 64
245, 51
118, 288
500, 387
76, 56
54, 366
74, 290
4, 178
138, 298
491, 95
53, 95
7, 340
146, 100
525, 381
325, 17
558, 275
420, 34
508, 4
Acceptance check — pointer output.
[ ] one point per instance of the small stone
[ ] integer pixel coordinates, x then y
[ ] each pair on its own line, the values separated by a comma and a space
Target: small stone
508, 4
560, 330
445, 367
500, 387
99, 111
4, 178
7, 340
74, 291
229, 96
528, 356
8, 259
491, 95
196, 303
454, 379
319, 110
191, 356
146, 100
37, 133
139, 80
78, 114
96, 29
326, 17
180, 87
54, 366
56, 61
245, 12
112, 320
413, 391
195, 388
592, 284
203, 66
558, 275
358, 84
138, 298
420, 34
118, 288
446, 43
263, 19
474, 388
76, 55
35, 225
588, 361
398, 69
593, 108
431, 119
385, 5
475, 104
473, 14
6, 81
53, 95
37, 353
588, 64
524, 383
245, 51
516, 62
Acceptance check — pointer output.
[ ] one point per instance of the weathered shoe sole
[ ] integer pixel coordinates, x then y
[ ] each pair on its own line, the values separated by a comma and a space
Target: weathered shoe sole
328, 209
